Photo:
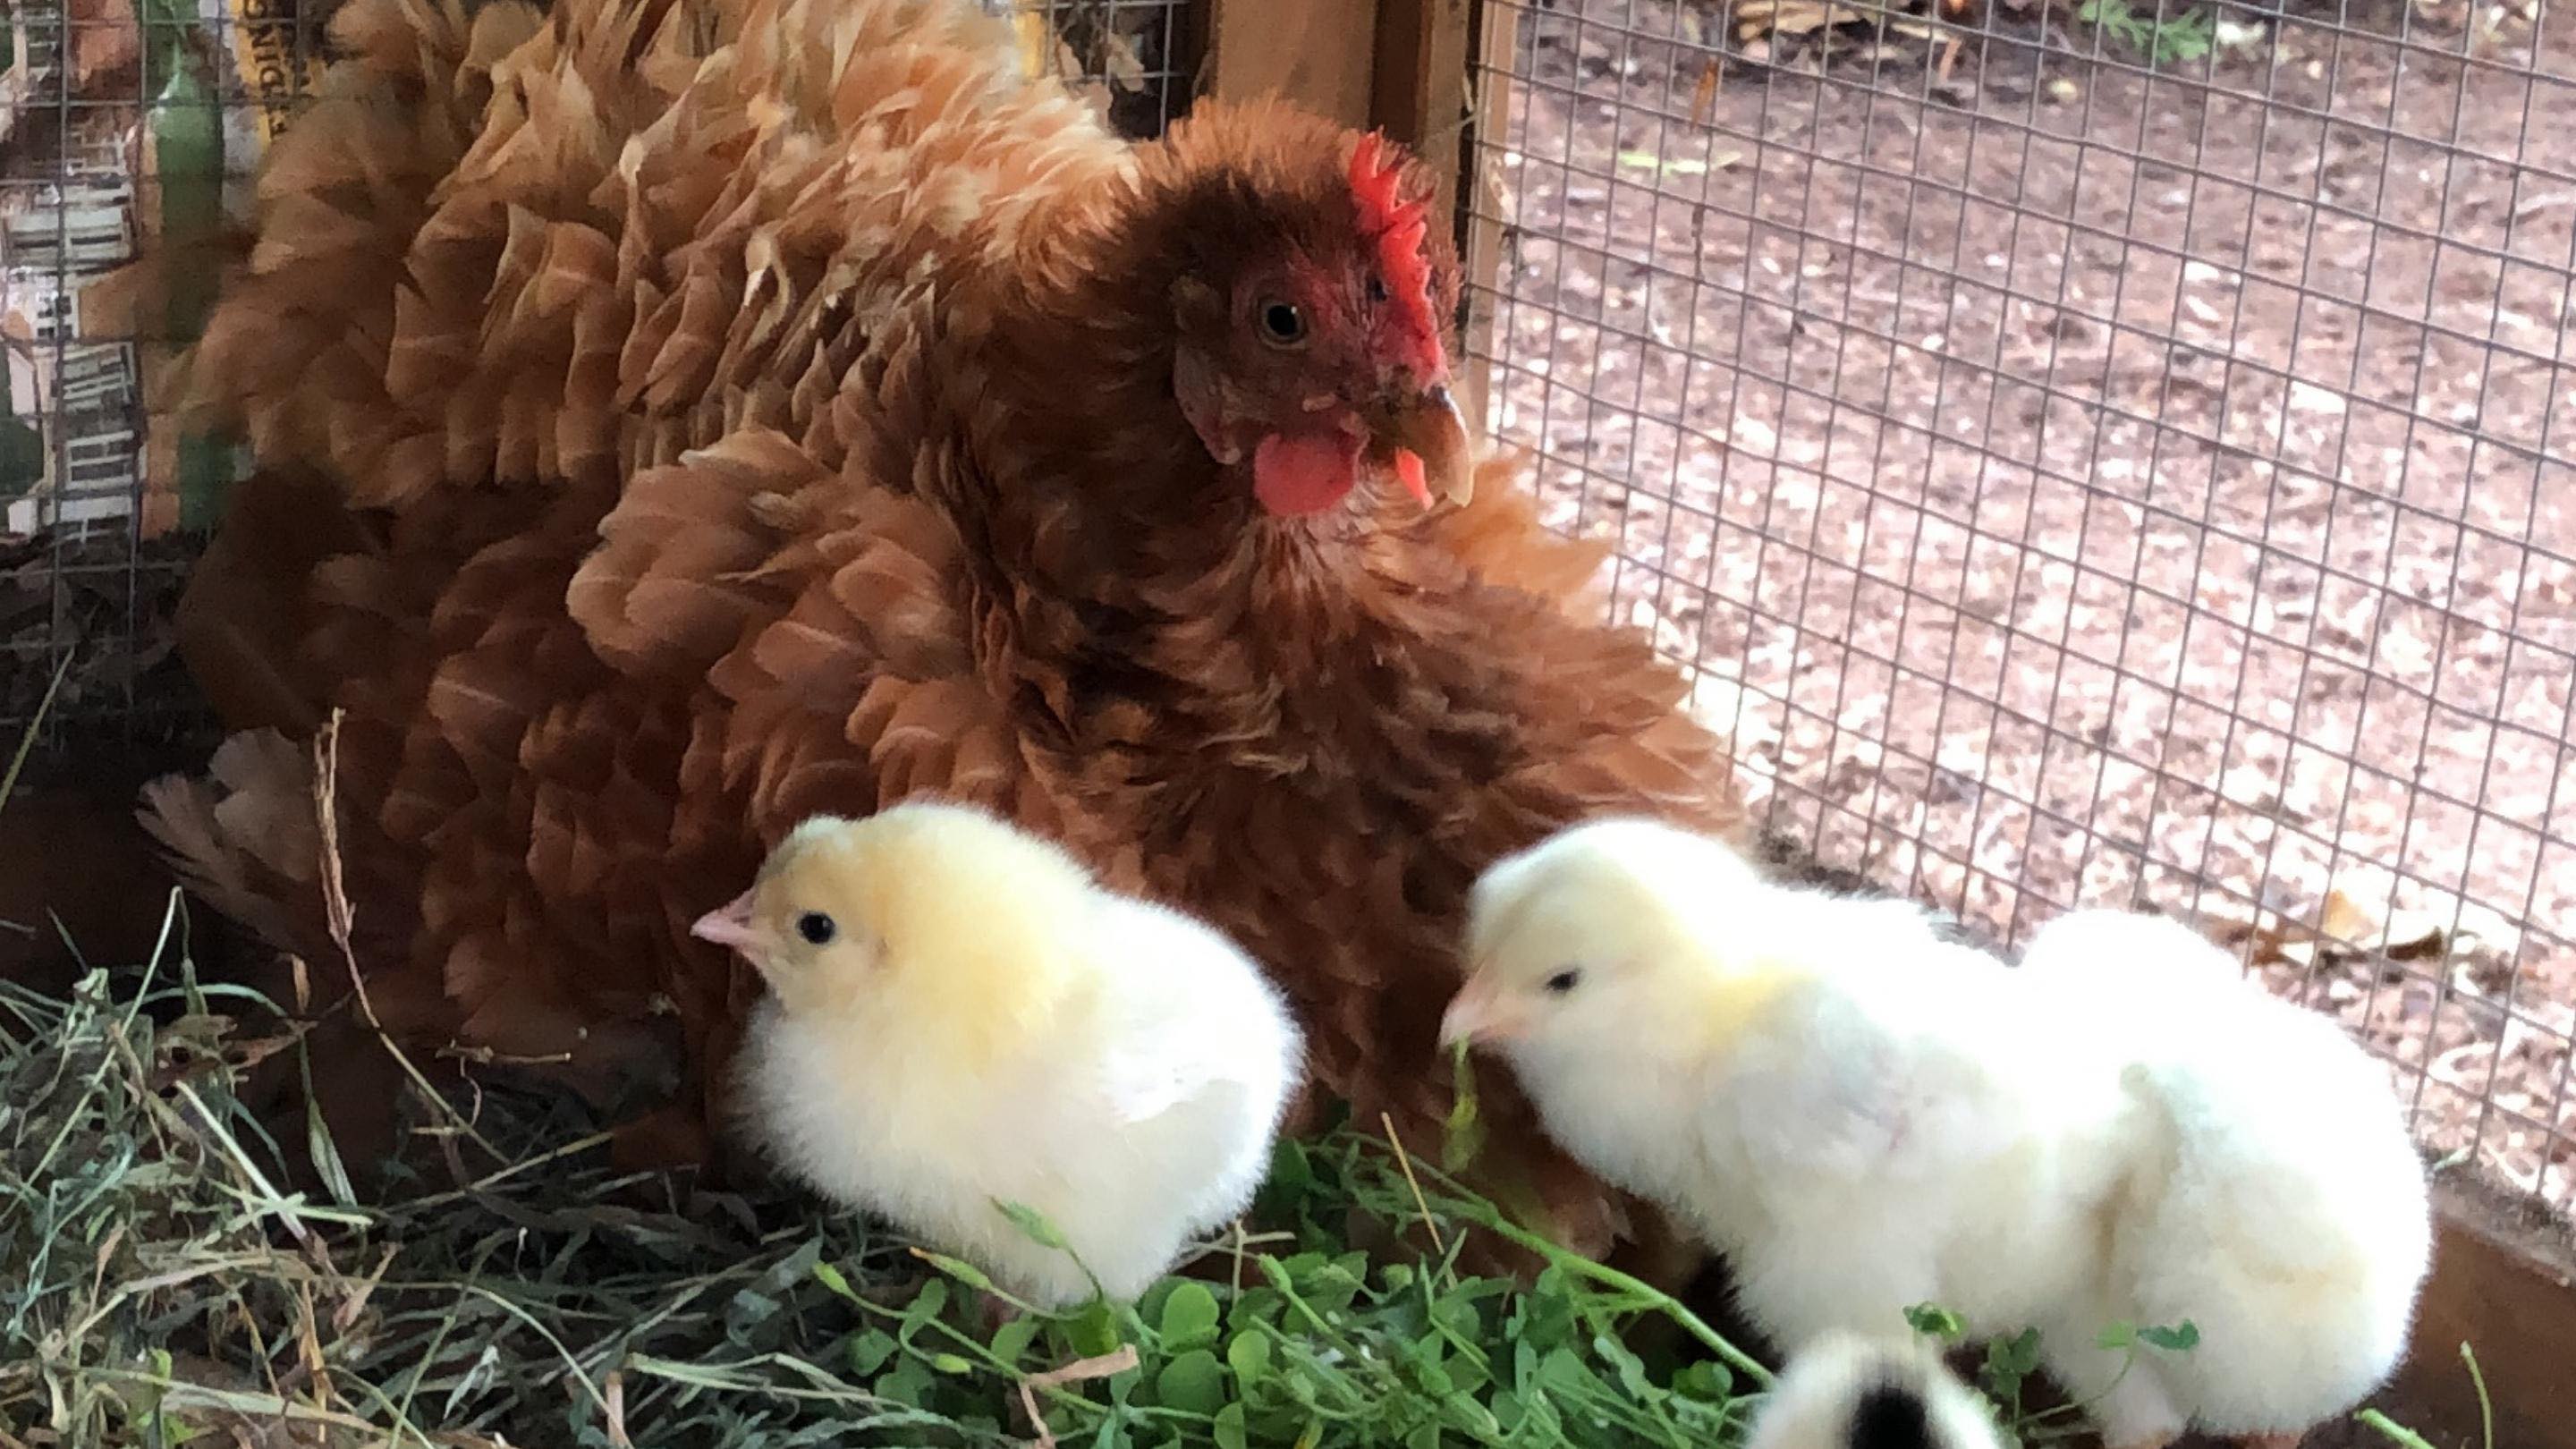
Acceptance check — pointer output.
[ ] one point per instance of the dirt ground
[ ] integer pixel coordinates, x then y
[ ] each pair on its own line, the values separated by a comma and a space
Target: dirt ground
2075, 481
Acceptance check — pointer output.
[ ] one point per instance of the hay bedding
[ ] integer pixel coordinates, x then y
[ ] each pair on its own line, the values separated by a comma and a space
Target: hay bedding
179, 1264
2029, 562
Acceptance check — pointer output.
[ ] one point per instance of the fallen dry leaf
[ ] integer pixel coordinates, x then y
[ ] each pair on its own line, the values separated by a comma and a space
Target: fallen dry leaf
2345, 920
2414, 936
1107, 1365
1800, 17
2345, 930
1790, 17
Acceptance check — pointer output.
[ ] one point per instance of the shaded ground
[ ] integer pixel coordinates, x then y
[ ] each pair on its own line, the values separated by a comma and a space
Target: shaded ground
2077, 482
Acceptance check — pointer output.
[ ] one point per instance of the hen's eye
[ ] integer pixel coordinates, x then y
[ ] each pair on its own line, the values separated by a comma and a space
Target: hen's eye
1564, 981
1377, 292
816, 928
1283, 324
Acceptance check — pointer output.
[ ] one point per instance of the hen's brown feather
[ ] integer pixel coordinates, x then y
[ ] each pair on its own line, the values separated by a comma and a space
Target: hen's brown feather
768, 410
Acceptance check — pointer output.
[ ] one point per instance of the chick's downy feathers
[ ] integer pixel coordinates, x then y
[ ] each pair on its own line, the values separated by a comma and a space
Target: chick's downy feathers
960, 1018
1862, 1114
736, 411
2276, 1201
1866, 1116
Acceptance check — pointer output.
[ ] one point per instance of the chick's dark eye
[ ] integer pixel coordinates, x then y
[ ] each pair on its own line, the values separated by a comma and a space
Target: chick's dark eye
816, 928
1564, 981
1377, 292
1283, 324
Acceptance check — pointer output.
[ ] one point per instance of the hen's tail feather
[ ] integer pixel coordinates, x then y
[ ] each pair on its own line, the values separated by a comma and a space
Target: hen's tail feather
268, 802
244, 839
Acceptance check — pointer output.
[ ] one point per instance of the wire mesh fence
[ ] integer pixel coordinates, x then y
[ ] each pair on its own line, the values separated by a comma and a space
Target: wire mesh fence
2120, 457
111, 130
1135, 56
125, 122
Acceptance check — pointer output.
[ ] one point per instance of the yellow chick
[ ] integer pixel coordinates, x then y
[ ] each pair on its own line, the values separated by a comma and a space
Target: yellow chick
1861, 1114
959, 1016
1851, 1392
2276, 1201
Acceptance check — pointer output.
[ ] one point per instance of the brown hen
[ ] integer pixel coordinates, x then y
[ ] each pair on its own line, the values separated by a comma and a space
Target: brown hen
738, 411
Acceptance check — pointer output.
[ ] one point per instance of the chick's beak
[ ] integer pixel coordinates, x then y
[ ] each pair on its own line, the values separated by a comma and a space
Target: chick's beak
1478, 1017
730, 925
1427, 427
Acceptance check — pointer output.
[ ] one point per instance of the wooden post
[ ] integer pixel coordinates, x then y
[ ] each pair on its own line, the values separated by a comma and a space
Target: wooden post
1496, 39
2504, 1282
1441, 89
1419, 88
1316, 53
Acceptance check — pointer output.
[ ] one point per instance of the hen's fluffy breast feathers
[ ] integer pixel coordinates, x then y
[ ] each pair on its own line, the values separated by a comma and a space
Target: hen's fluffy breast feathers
660, 330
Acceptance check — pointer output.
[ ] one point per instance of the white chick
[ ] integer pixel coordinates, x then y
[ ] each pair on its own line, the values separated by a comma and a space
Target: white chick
1860, 1114
2277, 1203
1851, 1392
2148, 975
960, 1016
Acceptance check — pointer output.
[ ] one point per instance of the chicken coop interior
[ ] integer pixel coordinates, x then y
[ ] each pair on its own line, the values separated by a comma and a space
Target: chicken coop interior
2080, 452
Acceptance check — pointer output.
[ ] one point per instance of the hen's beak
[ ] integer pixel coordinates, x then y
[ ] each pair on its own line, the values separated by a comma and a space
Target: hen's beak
1429, 426
729, 927
1479, 1017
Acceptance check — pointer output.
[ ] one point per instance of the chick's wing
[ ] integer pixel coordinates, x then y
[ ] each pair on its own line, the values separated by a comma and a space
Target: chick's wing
1186, 1012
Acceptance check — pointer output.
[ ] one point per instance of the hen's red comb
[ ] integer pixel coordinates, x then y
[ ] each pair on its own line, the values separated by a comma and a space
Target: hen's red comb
1399, 228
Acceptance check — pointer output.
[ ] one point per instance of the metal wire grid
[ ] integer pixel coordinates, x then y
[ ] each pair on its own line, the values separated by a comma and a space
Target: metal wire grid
95, 98
2074, 477
121, 120
1137, 54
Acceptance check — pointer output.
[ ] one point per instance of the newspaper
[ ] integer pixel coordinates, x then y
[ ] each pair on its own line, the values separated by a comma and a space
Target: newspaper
109, 175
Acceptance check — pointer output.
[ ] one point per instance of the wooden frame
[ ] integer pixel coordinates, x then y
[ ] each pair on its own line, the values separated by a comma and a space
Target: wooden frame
1319, 54
2504, 1283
